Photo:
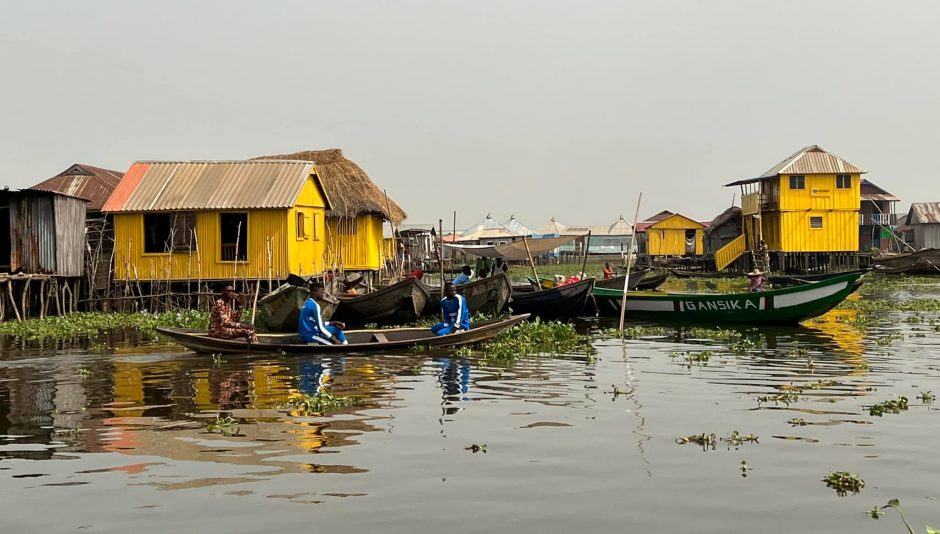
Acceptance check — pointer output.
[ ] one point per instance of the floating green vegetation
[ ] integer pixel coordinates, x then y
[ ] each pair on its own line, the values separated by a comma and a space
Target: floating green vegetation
876, 513
534, 338
742, 346
227, 426
780, 398
887, 339
844, 482
692, 358
710, 440
84, 372
85, 324
927, 397
717, 334
474, 448
463, 352
890, 406
744, 468
633, 332
798, 421
217, 360
877, 304
307, 404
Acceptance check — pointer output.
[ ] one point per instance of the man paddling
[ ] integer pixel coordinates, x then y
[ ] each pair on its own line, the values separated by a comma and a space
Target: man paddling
224, 319
311, 326
455, 314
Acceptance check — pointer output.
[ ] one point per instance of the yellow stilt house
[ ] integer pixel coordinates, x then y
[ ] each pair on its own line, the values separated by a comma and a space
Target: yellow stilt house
354, 236
216, 220
804, 210
675, 235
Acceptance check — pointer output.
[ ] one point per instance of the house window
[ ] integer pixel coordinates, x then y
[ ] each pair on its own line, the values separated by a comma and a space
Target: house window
313, 225
165, 232
301, 231
797, 182
843, 181
816, 223
233, 229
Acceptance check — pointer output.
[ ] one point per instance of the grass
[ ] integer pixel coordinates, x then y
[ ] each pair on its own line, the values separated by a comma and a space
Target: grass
87, 324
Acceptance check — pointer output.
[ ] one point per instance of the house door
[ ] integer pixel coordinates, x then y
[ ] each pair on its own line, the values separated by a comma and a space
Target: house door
690, 242
234, 236
5, 241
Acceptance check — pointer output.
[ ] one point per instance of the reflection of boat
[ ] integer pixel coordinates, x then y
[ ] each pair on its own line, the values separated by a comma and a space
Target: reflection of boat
925, 261
562, 302
398, 303
803, 279
488, 295
787, 305
359, 340
281, 308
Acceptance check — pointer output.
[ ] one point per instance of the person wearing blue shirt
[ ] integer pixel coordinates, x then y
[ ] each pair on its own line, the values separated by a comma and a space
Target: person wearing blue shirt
312, 328
455, 314
464, 276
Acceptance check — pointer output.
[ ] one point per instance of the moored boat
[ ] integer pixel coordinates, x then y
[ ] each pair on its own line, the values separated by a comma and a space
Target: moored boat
564, 302
488, 295
787, 305
651, 282
281, 308
926, 261
398, 303
798, 280
359, 340
638, 281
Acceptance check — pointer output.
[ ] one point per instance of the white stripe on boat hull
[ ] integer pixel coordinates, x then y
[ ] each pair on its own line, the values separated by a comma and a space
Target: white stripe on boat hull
802, 297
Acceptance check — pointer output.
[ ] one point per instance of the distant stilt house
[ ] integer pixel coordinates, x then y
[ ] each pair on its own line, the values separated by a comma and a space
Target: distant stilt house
923, 219
800, 215
877, 218
218, 220
42, 252
641, 237
675, 235
724, 228
95, 185
354, 236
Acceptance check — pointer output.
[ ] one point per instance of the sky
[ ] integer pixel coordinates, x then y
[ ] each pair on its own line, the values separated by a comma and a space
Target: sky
537, 109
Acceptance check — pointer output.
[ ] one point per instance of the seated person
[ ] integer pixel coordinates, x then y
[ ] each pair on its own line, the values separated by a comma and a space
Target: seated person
608, 271
455, 314
224, 319
757, 280
464, 276
573, 279
417, 273
311, 326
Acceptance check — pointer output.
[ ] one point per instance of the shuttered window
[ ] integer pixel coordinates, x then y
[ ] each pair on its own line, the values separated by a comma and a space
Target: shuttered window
301, 231
815, 222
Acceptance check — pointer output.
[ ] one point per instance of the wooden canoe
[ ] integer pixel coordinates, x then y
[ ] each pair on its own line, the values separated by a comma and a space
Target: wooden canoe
798, 280
653, 281
787, 305
359, 340
925, 261
563, 302
698, 274
281, 308
488, 295
638, 280
395, 304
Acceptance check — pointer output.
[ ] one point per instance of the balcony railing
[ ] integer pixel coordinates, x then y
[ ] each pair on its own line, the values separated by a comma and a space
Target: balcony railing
884, 219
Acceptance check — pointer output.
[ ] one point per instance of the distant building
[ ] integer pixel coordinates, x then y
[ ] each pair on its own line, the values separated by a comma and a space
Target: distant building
489, 231
674, 235
877, 218
924, 222
42, 232
605, 239
723, 229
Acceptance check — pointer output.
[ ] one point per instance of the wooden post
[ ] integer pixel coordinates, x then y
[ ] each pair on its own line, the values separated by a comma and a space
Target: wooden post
254, 304
238, 236
587, 250
440, 254
538, 283
626, 279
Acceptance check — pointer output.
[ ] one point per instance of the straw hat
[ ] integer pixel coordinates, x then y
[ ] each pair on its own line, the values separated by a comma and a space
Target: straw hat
755, 272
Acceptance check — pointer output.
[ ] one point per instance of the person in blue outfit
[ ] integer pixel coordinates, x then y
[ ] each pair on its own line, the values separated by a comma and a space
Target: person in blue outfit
464, 276
454, 312
312, 328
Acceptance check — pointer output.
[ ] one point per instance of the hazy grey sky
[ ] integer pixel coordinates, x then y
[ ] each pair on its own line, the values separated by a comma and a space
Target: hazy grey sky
533, 108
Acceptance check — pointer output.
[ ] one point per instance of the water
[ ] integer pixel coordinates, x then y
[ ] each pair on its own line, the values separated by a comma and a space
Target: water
117, 442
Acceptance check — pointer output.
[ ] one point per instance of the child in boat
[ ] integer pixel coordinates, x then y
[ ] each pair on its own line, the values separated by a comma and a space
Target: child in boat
455, 314
757, 280
464, 276
312, 328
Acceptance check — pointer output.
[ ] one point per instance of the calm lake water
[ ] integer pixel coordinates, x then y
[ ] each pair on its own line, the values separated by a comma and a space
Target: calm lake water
117, 442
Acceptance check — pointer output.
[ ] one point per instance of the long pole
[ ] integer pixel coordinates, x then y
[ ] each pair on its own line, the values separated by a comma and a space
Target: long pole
626, 279
440, 253
538, 283
587, 249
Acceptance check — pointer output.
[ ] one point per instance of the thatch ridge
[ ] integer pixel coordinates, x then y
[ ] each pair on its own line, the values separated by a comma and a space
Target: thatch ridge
722, 218
349, 188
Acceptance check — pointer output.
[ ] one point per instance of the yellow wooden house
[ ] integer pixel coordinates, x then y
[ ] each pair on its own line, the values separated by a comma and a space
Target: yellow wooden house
674, 235
218, 220
354, 236
808, 204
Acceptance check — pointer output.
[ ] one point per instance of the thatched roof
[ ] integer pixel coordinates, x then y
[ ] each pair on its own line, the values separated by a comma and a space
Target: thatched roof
725, 216
350, 189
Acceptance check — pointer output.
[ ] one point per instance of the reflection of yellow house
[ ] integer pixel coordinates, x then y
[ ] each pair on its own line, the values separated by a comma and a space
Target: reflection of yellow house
354, 236
211, 220
676, 235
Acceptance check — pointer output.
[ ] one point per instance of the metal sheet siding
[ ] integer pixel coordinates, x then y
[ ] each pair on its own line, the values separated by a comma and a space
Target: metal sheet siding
838, 234
69, 235
32, 221
925, 213
819, 193
362, 249
926, 236
217, 185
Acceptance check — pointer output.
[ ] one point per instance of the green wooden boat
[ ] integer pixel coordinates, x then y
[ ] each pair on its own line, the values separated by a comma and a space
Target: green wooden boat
787, 305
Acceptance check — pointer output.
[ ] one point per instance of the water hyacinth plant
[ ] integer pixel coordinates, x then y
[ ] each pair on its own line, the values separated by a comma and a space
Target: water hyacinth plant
84, 324
307, 404
844, 482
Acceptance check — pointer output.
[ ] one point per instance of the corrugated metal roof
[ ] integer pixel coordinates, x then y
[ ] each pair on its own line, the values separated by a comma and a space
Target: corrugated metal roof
209, 185
924, 213
870, 191
812, 160
83, 181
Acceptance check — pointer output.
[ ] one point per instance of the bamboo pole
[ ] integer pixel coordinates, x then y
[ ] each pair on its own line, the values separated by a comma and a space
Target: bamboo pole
538, 283
440, 252
626, 278
269, 250
13, 300
254, 304
587, 250
238, 236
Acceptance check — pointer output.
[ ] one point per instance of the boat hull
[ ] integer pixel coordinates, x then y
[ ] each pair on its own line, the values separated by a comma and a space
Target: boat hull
395, 304
359, 340
281, 308
780, 306
798, 280
925, 261
488, 296
563, 302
